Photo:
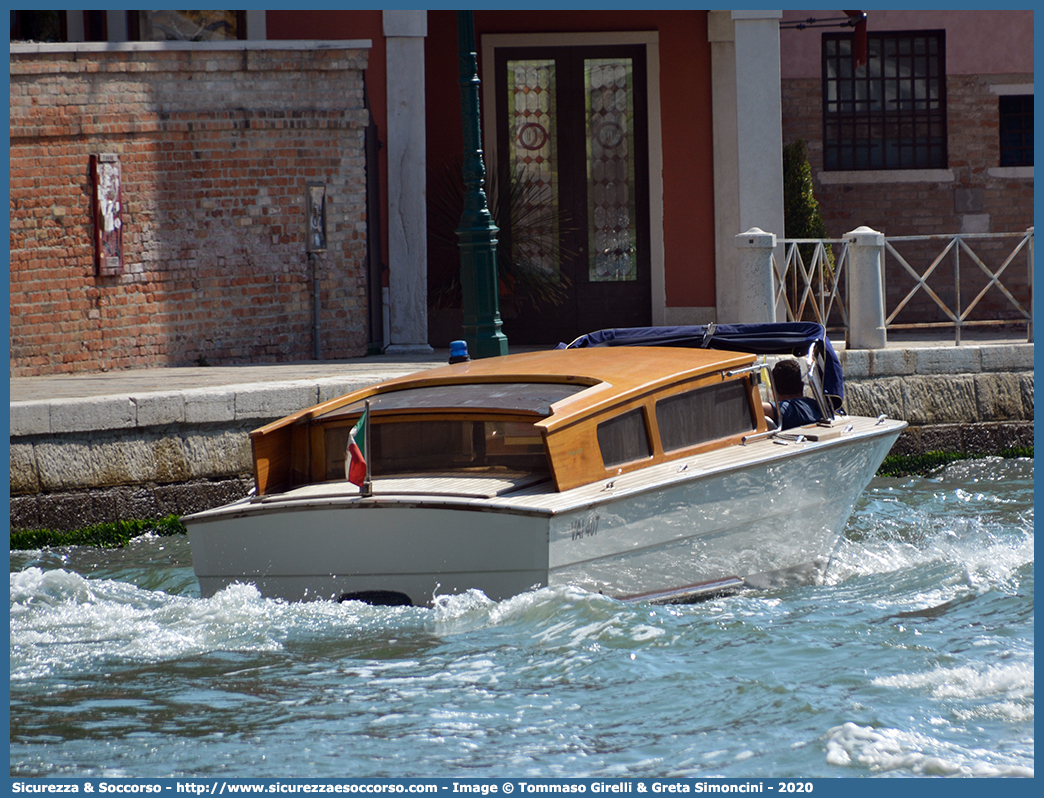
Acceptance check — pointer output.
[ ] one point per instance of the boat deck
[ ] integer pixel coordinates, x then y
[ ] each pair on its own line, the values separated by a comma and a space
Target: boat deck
484, 486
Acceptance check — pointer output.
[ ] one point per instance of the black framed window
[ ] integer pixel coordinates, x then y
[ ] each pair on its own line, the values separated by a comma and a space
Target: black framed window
96, 26
889, 113
705, 414
1016, 130
624, 439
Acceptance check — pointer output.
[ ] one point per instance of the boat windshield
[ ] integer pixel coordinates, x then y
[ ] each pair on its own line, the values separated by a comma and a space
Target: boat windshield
475, 428
445, 446
515, 397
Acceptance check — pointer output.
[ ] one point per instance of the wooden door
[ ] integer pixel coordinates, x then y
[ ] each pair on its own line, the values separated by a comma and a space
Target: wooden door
573, 145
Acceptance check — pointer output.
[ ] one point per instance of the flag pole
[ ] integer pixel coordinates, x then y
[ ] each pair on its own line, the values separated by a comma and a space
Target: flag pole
367, 486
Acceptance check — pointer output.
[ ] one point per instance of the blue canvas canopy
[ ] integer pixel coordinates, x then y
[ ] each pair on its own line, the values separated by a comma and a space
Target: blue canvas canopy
783, 338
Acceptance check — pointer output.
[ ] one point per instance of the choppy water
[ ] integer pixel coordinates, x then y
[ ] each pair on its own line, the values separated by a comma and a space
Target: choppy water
914, 659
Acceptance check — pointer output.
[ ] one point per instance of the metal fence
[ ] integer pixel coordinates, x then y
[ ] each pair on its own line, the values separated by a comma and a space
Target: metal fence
812, 285
936, 281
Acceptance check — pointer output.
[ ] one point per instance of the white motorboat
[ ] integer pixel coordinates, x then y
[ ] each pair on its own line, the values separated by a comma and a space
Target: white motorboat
638, 464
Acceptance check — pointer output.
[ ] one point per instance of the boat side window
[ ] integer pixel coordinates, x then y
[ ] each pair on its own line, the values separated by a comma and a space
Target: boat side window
705, 414
624, 439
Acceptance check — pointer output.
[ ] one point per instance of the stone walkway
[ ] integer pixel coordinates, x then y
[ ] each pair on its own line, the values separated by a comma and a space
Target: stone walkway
136, 381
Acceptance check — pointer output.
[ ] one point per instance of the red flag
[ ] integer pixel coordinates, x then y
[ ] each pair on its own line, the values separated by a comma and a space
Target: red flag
355, 454
858, 38
356, 464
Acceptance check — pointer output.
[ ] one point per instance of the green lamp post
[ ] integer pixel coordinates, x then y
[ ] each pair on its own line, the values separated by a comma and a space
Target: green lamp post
477, 234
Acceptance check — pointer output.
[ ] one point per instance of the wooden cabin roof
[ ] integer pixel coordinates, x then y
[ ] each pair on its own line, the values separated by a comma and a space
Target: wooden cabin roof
619, 372
624, 366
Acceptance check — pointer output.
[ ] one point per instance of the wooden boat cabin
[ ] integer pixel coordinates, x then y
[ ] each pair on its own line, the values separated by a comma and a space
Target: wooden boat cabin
574, 416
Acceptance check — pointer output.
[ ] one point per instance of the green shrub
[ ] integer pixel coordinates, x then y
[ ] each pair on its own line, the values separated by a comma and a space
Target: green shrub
801, 214
802, 219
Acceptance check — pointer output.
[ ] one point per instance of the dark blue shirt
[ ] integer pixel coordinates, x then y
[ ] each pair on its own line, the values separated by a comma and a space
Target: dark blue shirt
798, 412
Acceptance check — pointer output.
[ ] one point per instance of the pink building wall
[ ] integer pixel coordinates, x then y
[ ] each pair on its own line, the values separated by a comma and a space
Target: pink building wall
988, 53
977, 42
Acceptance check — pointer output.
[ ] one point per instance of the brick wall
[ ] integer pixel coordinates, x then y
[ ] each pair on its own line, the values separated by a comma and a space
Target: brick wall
971, 200
216, 148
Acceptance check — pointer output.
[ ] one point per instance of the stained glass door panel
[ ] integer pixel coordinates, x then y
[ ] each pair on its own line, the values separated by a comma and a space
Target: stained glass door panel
532, 163
609, 128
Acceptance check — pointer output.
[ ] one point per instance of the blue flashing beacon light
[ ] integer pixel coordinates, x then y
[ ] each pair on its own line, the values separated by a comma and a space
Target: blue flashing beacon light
459, 352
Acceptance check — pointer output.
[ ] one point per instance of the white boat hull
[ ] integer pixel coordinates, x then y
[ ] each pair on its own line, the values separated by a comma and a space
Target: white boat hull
747, 514
761, 524
325, 552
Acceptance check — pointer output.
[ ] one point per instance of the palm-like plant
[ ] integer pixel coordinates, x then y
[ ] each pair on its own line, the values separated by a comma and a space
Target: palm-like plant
528, 250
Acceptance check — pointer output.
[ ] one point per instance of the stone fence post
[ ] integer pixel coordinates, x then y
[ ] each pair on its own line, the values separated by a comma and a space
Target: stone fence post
754, 283
866, 312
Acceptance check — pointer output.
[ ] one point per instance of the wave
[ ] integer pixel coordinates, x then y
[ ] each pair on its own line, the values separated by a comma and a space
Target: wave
898, 752
943, 529
63, 622
1011, 683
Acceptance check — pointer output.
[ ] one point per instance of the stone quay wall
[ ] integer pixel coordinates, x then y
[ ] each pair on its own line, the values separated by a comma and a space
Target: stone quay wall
968, 399
75, 462
81, 461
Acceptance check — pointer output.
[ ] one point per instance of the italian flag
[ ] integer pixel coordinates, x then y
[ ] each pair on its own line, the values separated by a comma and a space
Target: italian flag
355, 454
